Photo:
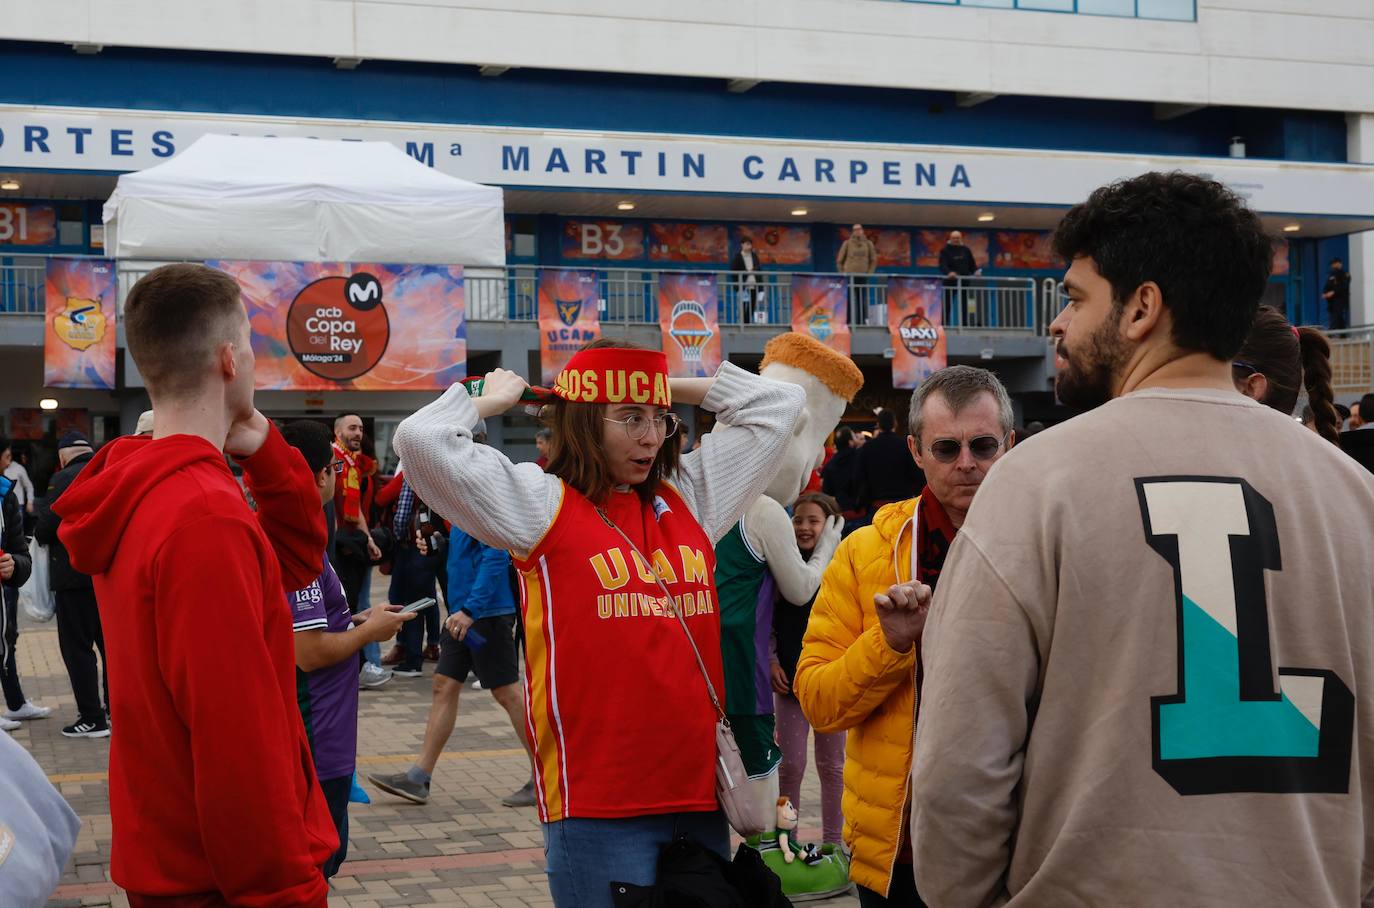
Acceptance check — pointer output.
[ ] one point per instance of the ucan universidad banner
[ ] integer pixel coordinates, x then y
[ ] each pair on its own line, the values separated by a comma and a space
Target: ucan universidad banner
568, 317
688, 306
820, 308
79, 324
334, 326
915, 321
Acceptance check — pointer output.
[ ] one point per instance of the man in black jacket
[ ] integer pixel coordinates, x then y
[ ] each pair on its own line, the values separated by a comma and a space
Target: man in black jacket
1337, 295
78, 618
15, 567
885, 472
839, 475
957, 264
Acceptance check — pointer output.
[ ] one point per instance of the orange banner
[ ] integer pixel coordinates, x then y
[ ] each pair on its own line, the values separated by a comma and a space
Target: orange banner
820, 308
616, 241
1031, 249
687, 310
930, 242
28, 225
568, 318
79, 325
705, 243
776, 244
915, 321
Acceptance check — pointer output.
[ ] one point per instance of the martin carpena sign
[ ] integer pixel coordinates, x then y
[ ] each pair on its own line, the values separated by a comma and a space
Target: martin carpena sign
127, 140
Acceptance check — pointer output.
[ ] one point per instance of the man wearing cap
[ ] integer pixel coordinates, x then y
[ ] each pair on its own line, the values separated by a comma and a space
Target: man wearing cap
78, 620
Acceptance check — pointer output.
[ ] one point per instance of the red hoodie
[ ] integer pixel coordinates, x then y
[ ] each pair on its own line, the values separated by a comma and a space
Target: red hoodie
212, 787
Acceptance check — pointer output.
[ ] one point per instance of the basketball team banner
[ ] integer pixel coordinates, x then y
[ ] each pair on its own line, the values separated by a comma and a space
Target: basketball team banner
79, 324
687, 311
820, 308
336, 326
568, 318
915, 320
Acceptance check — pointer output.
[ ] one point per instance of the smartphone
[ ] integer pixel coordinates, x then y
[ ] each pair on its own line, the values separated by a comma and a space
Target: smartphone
419, 605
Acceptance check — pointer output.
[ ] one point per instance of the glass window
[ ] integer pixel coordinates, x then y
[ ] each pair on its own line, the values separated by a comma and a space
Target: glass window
1058, 6
1181, 10
1000, 4
1107, 7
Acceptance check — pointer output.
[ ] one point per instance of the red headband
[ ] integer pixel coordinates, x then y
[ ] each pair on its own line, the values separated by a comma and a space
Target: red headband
612, 375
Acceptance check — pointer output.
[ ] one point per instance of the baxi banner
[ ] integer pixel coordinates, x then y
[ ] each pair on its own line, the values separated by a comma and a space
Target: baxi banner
337, 326
687, 311
79, 325
820, 308
568, 320
916, 322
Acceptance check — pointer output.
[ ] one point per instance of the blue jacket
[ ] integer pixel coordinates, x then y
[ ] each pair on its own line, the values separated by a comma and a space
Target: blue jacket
479, 578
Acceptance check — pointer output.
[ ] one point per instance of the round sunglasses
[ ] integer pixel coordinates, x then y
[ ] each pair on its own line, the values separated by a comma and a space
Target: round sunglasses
984, 447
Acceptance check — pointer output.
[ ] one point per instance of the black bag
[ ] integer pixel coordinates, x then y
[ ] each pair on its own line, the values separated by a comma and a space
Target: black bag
690, 876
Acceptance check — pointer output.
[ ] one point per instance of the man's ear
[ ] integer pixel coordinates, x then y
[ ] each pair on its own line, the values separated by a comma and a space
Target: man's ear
1144, 313
915, 453
228, 368
324, 477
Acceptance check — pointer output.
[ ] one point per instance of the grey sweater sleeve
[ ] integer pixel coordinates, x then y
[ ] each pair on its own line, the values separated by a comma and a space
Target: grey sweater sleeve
502, 504
511, 506
739, 457
37, 829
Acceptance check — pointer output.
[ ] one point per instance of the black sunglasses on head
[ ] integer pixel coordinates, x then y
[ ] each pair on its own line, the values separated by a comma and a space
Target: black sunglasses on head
984, 447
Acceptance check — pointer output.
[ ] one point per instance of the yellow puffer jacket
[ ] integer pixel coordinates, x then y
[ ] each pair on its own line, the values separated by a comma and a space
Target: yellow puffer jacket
848, 678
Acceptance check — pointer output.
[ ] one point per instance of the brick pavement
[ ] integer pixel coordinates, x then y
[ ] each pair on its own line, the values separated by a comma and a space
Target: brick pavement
463, 848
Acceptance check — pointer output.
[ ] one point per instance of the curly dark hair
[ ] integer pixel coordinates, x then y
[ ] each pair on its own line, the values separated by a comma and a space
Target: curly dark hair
1193, 237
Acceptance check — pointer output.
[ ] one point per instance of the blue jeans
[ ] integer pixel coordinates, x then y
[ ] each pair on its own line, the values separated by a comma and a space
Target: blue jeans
372, 652
585, 856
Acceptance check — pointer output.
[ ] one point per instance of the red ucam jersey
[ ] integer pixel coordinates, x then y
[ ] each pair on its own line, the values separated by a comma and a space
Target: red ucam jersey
618, 714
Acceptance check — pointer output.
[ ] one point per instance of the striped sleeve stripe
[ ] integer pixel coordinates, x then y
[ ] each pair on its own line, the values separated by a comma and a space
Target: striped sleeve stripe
313, 625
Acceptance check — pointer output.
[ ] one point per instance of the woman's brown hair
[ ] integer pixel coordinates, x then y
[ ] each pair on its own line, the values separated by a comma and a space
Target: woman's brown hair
1290, 359
576, 455
829, 506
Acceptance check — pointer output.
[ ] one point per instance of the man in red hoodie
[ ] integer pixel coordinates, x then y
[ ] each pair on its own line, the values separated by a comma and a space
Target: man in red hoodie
213, 794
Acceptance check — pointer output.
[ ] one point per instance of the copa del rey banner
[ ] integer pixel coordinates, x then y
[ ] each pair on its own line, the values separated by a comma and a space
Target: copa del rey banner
79, 324
333, 326
688, 313
820, 308
915, 320
568, 319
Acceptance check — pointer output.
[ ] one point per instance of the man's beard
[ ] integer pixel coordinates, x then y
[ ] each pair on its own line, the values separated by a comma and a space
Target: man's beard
1087, 379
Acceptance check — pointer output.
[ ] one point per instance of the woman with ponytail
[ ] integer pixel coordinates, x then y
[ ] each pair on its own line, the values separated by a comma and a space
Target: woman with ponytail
1277, 361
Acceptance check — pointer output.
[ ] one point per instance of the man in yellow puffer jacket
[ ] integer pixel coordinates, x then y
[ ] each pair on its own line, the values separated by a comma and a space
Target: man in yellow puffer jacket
859, 664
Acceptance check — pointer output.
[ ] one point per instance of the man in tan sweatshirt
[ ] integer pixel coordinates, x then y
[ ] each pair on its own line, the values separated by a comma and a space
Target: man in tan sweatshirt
1147, 678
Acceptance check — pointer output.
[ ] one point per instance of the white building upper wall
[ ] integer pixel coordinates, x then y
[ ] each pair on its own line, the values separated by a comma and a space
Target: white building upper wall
1257, 53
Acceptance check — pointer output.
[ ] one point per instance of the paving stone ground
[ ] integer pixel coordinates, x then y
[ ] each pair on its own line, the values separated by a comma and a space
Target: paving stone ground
463, 848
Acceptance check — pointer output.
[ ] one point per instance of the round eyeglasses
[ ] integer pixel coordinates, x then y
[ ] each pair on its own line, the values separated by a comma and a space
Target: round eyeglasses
984, 447
637, 426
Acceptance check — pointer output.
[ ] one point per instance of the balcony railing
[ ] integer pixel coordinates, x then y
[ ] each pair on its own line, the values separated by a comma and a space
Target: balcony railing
630, 297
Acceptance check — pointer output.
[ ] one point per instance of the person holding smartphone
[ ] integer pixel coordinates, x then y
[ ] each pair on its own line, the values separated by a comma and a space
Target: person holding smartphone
328, 638
619, 720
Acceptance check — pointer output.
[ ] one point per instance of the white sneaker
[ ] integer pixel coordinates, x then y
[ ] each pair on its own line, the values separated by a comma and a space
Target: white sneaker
373, 676
477, 685
29, 710
9, 725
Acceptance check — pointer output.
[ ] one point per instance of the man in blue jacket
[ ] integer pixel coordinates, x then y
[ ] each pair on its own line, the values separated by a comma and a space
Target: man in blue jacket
481, 639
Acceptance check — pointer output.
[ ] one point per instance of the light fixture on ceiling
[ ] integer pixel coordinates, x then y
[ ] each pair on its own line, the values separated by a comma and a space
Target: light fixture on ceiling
9, 185
47, 403
1291, 228
625, 206
799, 212
987, 216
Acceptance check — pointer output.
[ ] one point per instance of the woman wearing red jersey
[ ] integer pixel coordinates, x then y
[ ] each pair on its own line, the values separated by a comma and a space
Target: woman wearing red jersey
618, 715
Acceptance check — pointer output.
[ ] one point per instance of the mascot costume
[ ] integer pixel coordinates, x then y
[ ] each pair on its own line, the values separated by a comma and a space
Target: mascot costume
758, 560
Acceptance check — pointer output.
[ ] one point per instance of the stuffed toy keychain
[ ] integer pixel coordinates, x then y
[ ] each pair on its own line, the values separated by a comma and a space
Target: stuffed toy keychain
758, 559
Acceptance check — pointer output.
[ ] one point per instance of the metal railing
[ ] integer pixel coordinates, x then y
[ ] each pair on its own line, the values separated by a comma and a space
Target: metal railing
630, 296
1352, 360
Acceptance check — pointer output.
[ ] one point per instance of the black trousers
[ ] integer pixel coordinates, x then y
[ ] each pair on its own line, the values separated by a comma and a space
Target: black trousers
902, 895
336, 792
78, 637
352, 572
9, 660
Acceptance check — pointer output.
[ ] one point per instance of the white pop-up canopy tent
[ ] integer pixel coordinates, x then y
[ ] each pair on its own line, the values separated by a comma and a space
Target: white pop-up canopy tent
297, 199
